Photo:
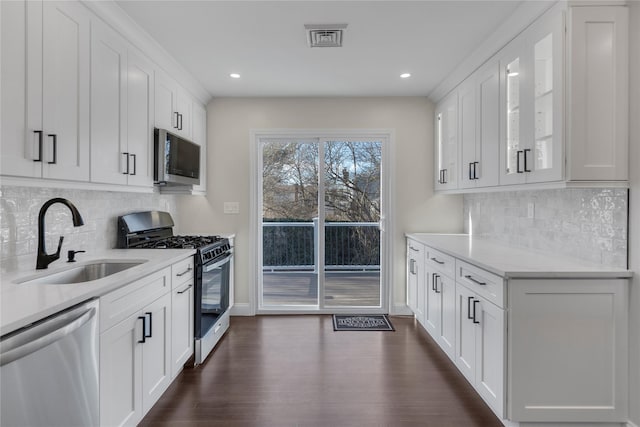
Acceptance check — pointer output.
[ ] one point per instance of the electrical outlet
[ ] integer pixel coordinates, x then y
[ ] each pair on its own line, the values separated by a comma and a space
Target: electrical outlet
530, 210
231, 207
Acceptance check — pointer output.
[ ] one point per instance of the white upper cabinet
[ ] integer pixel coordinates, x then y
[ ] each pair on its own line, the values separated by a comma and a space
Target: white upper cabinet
446, 158
108, 105
140, 102
199, 127
598, 93
173, 106
45, 90
562, 106
121, 110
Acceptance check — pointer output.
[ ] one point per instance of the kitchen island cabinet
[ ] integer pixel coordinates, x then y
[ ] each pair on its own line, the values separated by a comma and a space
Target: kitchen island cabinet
542, 339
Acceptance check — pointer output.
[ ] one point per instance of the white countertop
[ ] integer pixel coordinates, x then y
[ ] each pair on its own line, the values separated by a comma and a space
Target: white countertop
512, 262
22, 304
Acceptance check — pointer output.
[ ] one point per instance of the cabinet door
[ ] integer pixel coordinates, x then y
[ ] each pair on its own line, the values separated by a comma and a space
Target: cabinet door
109, 157
412, 276
598, 99
512, 143
465, 358
487, 169
19, 77
121, 373
165, 102
543, 62
446, 175
199, 134
421, 284
156, 351
184, 104
140, 119
432, 311
181, 326
66, 90
467, 132
447, 338
490, 355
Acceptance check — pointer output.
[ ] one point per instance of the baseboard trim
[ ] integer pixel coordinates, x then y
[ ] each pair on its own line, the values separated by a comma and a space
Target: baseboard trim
242, 309
400, 310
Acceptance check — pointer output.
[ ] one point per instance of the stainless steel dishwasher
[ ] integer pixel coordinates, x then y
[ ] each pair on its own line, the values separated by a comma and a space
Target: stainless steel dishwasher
49, 371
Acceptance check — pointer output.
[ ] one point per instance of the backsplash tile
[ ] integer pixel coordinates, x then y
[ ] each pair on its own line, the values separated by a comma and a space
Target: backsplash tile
588, 224
19, 208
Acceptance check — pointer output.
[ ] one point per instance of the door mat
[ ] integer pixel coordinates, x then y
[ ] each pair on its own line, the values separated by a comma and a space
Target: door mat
362, 322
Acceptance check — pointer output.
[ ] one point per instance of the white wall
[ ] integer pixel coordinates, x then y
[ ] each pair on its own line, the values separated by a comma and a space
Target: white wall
230, 121
634, 214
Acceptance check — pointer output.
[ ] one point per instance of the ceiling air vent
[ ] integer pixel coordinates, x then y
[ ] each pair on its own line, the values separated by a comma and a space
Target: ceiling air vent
325, 35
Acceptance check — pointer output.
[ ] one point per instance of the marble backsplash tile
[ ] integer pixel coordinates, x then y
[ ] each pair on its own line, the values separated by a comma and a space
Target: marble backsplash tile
19, 208
588, 224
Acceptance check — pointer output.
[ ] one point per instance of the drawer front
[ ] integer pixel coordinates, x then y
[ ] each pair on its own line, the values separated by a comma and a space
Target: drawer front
122, 303
482, 282
182, 272
441, 262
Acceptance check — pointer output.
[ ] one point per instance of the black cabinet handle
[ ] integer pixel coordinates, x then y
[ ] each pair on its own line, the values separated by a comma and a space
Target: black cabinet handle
475, 170
187, 288
469, 308
148, 313
144, 329
177, 115
436, 260
518, 161
526, 150
470, 174
126, 155
55, 148
474, 310
180, 121
435, 283
434, 277
134, 164
39, 132
468, 276
444, 176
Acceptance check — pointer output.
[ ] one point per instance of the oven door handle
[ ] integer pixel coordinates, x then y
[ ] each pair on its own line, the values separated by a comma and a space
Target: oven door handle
206, 268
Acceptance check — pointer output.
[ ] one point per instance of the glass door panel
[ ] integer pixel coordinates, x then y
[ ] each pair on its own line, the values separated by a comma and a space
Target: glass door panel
289, 224
543, 91
514, 157
352, 223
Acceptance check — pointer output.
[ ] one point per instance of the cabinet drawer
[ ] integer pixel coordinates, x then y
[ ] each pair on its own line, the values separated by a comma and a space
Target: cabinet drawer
123, 302
482, 282
182, 271
441, 262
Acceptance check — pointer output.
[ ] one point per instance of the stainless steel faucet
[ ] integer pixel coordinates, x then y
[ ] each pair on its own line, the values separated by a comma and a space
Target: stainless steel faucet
45, 259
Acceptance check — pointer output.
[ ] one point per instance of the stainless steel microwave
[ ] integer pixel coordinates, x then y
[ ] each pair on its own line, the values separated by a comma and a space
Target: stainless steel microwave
177, 160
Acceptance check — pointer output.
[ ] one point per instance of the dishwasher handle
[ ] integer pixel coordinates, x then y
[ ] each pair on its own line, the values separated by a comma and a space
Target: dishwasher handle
44, 338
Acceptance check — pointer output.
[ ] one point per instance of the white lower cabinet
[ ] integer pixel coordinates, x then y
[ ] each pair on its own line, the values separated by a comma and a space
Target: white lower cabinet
416, 276
139, 323
542, 349
479, 351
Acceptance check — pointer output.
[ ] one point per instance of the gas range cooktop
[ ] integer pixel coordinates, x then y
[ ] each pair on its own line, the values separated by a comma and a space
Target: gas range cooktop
181, 242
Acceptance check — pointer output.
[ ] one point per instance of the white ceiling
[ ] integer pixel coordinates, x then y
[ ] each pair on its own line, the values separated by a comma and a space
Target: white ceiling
265, 42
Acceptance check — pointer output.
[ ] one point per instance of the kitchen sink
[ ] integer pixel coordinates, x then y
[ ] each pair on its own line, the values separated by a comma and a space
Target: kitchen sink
83, 273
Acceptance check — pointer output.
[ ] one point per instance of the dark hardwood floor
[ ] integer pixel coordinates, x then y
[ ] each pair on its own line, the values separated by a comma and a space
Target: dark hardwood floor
296, 371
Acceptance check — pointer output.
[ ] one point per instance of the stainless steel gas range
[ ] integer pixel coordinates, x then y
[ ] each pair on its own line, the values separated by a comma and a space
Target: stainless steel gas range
212, 273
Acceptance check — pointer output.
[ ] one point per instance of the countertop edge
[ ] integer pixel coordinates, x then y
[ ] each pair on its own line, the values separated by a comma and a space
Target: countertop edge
80, 294
597, 272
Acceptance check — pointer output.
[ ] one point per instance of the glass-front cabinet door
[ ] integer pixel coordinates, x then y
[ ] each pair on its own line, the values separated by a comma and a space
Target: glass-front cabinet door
544, 158
446, 129
532, 138
512, 140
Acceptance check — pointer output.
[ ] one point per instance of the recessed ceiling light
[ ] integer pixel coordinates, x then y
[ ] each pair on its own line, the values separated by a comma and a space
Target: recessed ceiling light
234, 75
405, 75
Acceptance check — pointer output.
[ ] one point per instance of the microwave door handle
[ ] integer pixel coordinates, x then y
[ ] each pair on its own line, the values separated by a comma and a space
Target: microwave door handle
207, 268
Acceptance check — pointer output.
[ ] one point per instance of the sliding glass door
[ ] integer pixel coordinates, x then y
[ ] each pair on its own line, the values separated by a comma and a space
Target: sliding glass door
321, 217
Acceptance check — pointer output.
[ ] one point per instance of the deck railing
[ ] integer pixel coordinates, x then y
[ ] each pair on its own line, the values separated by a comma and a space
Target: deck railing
348, 246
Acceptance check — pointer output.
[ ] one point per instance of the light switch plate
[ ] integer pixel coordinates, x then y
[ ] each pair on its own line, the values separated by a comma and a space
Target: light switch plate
231, 207
530, 210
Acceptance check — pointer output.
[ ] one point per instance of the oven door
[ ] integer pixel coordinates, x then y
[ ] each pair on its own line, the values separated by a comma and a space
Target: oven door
212, 296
